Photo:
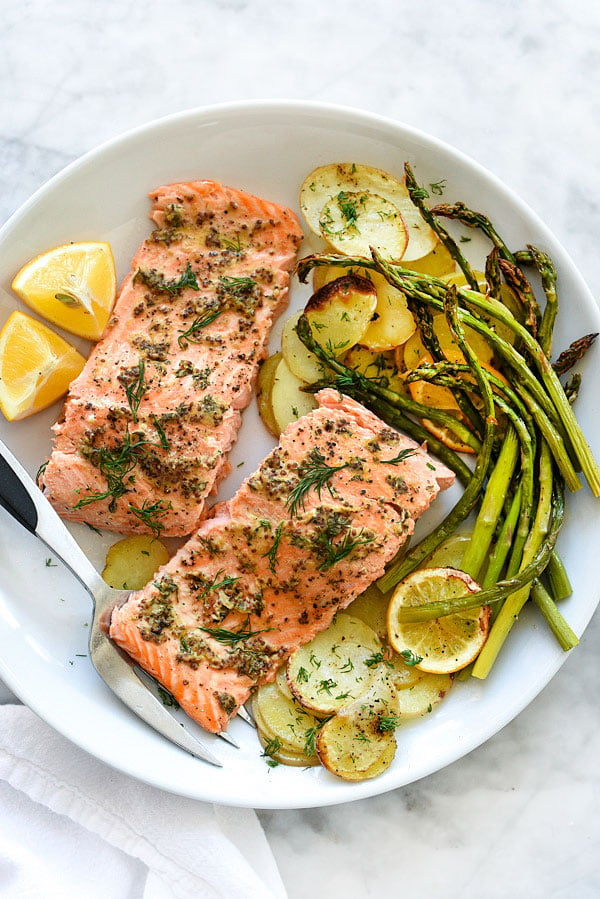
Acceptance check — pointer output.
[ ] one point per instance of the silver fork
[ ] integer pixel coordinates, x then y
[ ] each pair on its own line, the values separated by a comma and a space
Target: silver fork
21, 497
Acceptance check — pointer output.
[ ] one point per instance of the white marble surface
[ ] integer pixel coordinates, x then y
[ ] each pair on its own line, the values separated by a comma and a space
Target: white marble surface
516, 86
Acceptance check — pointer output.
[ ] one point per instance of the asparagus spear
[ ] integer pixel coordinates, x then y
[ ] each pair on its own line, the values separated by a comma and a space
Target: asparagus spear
554, 397
574, 352
498, 484
417, 195
520, 286
467, 216
547, 273
537, 538
559, 627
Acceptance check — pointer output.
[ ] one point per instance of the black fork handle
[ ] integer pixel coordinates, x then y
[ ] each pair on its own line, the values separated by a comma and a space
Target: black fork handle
15, 498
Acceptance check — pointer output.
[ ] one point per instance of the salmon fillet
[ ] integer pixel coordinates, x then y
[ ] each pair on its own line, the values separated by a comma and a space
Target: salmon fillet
269, 569
146, 428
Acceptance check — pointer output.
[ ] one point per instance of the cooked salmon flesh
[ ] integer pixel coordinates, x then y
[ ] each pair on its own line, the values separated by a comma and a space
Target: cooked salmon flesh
303, 537
147, 426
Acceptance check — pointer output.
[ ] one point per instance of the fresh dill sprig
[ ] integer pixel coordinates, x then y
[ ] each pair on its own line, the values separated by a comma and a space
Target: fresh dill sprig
191, 335
271, 553
232, 638
326, 686
377, 658
135, 387
115, 465
335, 552
402, 455
157, 282
161, 433
388, 723
271, 748
410, 658
310, 736
348, 208
315, 474
150, 514
234, 245
239, 287
166, 697
217, 584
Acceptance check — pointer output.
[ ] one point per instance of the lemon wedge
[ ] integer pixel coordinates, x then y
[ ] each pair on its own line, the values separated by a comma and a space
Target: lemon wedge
446, 644
72, 286
36, 366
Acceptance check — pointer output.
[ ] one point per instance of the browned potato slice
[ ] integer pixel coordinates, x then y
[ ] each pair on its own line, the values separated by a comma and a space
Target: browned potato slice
131, 563
288, 401
341, 311
354, 743
392, 322
326, 183
336, 666
264, 389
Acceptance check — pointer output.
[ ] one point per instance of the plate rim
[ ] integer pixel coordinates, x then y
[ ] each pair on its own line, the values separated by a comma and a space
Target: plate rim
275, 107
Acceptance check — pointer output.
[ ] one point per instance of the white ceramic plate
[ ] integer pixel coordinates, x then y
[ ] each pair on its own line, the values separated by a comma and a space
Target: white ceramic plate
266, 148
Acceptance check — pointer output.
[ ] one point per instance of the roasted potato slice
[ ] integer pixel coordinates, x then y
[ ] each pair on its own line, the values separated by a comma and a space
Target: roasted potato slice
131, 563
392, 322
300, 361
359, 742
324, 184
336, 666
376, 365
275, 750
438, 263
354, 221
421, 697
402, 675
288, 400
282, 683
264, 389
371, 608
340, 312
324, 274
294, 726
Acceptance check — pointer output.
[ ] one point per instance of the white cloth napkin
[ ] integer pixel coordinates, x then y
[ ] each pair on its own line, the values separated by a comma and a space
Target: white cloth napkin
71, 827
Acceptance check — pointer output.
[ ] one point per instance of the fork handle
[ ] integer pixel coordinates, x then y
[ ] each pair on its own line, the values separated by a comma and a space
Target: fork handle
15, 498
22, 498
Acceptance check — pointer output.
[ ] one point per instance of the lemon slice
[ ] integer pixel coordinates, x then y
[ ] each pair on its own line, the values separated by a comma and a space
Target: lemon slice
72, 286
446, 644
36, 366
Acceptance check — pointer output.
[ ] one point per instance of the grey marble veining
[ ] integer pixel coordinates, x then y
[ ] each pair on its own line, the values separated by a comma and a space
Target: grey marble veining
515, 86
